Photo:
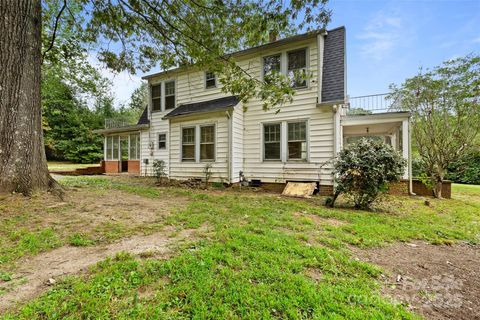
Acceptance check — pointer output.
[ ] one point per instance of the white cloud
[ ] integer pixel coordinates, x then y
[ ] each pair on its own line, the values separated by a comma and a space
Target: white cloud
381, 35
476, 40
123, 83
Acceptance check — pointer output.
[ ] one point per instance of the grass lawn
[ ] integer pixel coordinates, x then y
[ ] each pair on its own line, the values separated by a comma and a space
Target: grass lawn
67, 166
259, 256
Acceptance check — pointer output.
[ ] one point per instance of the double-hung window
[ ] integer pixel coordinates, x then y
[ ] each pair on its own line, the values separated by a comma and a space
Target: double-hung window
297, 140
272, 141
207, 143
156, 93
188, 144
297, 68
271, 64
169, 95
162, 141
210, 80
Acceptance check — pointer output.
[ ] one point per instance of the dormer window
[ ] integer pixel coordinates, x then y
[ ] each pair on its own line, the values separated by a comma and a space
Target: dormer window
271, 64
156, 92
169, 95
297, 68
210, 80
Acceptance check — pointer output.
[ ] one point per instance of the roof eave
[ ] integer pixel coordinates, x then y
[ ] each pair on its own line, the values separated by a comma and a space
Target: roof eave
270, 45
137, 127
191, 114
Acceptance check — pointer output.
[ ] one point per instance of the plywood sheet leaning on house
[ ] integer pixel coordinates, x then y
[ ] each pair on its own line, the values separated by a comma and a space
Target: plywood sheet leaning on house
299, 189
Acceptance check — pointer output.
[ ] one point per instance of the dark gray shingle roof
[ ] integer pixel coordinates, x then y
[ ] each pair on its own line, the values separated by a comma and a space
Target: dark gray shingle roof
333, 80
204, 106
144, 117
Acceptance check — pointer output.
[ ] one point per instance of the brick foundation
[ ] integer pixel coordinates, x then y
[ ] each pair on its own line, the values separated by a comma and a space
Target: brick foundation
112, 166
401, 188
134, 166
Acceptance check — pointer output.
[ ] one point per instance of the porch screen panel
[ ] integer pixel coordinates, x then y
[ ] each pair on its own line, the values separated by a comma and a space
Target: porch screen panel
116, 143
134, 147
109, 147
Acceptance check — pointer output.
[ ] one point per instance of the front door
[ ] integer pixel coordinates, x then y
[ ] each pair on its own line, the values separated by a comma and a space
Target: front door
124, 153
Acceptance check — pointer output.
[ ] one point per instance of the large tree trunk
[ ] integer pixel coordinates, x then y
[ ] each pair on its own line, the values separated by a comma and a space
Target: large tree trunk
23, 165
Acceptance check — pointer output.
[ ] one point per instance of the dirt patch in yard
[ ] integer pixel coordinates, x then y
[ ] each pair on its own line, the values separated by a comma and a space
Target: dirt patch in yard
438, 282
35, 274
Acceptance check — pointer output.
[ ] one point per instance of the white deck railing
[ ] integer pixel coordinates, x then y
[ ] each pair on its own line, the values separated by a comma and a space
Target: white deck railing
374, 103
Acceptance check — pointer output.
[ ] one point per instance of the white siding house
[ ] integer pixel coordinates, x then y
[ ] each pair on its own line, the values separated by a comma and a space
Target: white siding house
190, 122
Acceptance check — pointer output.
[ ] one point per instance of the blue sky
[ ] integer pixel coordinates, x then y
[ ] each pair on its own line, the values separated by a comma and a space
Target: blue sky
387, 41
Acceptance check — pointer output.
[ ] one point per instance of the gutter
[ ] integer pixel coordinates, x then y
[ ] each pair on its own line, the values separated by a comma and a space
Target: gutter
136, 127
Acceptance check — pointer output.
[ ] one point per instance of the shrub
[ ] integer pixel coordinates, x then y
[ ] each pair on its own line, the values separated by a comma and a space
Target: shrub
159, 169
364, 169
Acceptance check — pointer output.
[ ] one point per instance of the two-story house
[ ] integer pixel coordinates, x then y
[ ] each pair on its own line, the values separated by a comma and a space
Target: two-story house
190, 122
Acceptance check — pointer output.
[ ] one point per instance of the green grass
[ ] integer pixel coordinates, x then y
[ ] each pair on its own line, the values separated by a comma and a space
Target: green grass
253, 262
67, 166
79, 240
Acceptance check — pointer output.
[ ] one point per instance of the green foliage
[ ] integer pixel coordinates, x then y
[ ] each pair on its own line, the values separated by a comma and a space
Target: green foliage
255, 259
159, 170
79, 240
145, 34
207, 173
445, 113
364, 169
466, 169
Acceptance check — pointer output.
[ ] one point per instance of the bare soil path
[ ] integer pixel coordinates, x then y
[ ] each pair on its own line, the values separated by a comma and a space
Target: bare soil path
436, 281
36, 272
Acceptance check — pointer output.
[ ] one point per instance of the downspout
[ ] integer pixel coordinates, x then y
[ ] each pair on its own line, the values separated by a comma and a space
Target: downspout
320, 49
230, 143
410, 178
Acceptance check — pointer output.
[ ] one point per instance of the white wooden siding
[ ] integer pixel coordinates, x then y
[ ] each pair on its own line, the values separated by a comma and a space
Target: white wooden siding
194, 169
247, 139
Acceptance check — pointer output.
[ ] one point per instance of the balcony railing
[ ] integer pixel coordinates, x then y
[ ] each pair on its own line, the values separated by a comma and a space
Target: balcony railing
374, 103
118, 123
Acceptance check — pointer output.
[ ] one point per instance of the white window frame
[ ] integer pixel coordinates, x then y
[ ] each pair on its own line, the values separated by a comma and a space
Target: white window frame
306, 142
284, 141
263, 141
161, 96
307, 65
158, 142
165, 94
214, 142
206, 79
195, 137
284, 64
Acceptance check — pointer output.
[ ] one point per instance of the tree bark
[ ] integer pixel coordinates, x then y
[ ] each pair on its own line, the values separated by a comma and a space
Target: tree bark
23, 165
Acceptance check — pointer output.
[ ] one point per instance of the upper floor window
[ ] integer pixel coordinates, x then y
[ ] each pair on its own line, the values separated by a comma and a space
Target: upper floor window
188, 144
271, 139
271, 64
210, 80
156, 92
207, 142
170, 95
162, 141
297, 68
297, 140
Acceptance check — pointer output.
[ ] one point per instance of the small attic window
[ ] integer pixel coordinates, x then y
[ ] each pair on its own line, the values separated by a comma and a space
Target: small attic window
210, 80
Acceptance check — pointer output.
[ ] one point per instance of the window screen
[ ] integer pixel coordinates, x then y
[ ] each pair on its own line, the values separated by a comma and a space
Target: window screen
297, 68
207, 143
170, 95
297, 141
156, 92
188, 144
271, 134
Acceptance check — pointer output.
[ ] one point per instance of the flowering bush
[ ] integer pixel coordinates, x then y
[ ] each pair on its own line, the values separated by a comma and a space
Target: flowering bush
364, 169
